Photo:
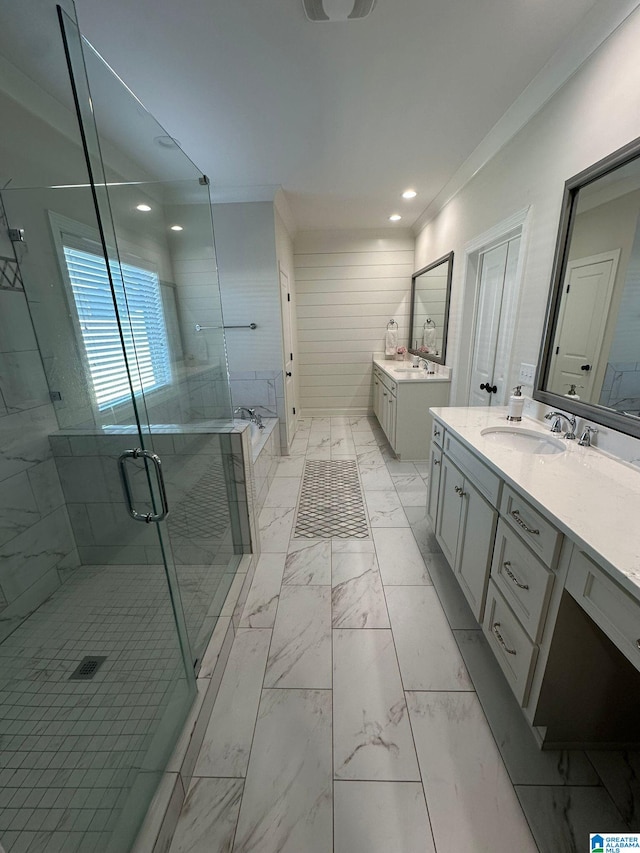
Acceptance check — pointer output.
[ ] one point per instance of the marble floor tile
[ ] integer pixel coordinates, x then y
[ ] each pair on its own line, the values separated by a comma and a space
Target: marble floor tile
423, 532
407, 482
427, 651
385, 510
370, 457
287, 802
208, 819
526, 763
298, 446
363, 423
283, 492
343, 446
372, 736
227, 740
352, 546
262, 601
413, 498
472, 804
300, 654
381, 817
562, 817
620, 774
423, 469
290, 466
376, 479
276, 524
308, 562
394, 467
357, 596
451, 597
400, 561
366, 439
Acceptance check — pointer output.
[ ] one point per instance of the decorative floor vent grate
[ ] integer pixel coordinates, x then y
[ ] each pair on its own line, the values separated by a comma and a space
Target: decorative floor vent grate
331, 502
87, 668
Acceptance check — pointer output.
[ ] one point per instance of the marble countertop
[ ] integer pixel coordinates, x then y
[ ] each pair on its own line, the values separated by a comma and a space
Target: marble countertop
592, 497
402, 371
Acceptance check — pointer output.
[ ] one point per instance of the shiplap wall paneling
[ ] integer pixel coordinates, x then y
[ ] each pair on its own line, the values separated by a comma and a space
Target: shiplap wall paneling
349, 285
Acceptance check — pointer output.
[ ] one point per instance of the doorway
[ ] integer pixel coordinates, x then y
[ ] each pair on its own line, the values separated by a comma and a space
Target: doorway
493, 271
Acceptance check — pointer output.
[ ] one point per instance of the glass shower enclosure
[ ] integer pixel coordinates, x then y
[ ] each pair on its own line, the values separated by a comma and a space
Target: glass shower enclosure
117, 514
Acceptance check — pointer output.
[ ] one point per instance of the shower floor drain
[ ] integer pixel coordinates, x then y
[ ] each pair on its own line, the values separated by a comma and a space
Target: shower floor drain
87, 668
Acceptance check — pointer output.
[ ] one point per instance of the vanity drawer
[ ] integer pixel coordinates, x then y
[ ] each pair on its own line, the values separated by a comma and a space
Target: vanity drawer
543, 538
523, 580
612, 608
482, 477
514, 651
437, 434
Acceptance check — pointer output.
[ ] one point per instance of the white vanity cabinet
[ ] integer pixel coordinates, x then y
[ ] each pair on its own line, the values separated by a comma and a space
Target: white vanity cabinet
465, 530
556, 620
401, 404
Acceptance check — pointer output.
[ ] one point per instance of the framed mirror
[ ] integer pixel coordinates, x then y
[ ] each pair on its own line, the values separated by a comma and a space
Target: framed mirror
590, 359
430, 296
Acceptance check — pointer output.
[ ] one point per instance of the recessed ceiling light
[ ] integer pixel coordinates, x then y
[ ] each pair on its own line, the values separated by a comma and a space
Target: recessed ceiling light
177, 228
143, 207
395, 217
409, 194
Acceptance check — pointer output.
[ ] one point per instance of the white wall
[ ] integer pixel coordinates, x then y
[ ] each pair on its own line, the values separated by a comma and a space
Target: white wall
349, 285
595, 113
248, 273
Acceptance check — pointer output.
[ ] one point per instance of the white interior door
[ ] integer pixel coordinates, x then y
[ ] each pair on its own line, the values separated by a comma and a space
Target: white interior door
287, 340
491, 340
588, 286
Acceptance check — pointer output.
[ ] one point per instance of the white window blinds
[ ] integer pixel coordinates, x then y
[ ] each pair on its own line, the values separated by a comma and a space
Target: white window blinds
143, 327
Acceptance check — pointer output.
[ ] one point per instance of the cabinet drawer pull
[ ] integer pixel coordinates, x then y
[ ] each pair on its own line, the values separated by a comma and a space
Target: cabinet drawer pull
495, 628
515, 514
436, 461
384, 393
513, 577
436, 433
460, 492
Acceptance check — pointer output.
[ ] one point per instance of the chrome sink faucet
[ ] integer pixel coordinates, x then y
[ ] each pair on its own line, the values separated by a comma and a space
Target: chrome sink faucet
585, 438
556, 425
427, 365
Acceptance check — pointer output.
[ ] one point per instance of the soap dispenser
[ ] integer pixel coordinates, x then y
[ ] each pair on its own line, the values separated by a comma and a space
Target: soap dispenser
571, 393
516, 404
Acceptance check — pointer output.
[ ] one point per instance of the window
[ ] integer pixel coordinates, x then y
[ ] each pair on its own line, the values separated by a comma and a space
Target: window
143, 327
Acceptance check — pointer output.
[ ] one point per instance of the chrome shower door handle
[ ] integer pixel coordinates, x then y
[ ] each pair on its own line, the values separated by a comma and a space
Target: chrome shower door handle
139, 453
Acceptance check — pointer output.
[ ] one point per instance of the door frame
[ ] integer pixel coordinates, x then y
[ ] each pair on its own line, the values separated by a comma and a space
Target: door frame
290, 400
517, 225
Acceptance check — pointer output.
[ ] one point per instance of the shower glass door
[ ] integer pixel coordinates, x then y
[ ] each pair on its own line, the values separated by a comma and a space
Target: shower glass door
157, 210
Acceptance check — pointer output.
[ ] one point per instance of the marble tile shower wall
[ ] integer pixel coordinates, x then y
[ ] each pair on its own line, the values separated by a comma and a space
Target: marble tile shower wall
37, 549
204, 482
262, 390
621, 386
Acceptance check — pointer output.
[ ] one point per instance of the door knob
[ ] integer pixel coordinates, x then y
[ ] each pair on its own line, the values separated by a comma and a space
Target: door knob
490, 389
585, 367
483, 386
288, 373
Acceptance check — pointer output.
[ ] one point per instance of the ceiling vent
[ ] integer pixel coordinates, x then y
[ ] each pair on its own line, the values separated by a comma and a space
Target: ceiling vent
337, 10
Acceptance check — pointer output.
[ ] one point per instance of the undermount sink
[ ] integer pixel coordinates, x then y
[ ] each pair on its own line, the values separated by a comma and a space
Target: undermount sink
524, 440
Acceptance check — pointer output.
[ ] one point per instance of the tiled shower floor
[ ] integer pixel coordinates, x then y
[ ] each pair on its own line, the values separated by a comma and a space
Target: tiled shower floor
70, 751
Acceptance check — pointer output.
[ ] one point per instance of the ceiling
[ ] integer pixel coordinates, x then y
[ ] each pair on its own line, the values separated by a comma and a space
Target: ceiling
344, 116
